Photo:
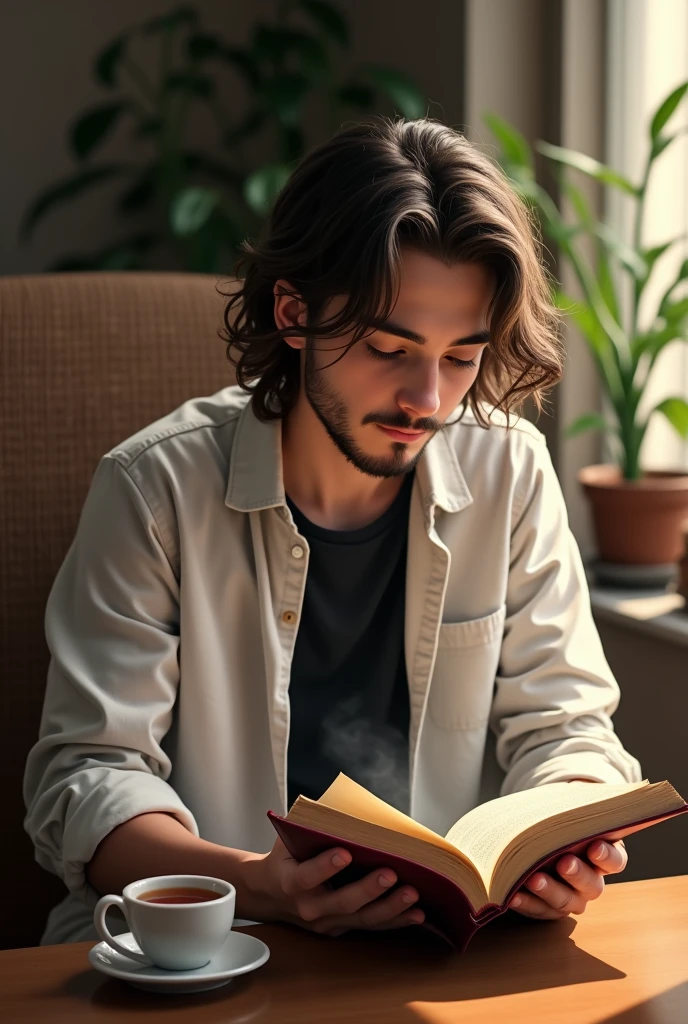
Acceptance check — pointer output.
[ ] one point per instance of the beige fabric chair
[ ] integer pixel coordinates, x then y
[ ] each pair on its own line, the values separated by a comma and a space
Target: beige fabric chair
85, 360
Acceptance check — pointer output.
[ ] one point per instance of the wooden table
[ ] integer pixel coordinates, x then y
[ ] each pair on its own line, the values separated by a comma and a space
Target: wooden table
625, 961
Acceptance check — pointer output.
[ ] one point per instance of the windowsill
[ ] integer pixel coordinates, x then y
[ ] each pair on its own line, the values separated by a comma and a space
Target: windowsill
654, 612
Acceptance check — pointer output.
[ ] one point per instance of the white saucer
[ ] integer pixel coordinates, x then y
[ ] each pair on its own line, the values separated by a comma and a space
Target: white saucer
241, 953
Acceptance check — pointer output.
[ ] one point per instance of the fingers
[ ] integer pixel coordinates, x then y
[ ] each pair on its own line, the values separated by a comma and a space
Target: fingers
384, 913
350, 899
586, 880
547, 898
528, 905
609, 858
366, 903
299, 877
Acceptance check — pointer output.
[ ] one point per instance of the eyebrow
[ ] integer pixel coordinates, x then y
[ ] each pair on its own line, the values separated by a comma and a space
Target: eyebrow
403, 332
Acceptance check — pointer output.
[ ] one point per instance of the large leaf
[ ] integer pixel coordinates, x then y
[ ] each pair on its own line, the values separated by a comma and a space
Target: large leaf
666, 109
676, 311
191, 208
515, 146
328, 19
263, 186
68, 189
578, 201
589, 224
404, 94
652, 254
598, 340
606, 282
625, 254
588, 165
94, 126
590, 421
653, 342
681, 276
662, 141
108, 61
676, 411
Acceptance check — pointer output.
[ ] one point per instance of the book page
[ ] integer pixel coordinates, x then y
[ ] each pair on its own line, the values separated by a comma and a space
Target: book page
347, 796
484, 832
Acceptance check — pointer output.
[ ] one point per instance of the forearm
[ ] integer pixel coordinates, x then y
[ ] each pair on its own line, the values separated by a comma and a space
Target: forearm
158, 844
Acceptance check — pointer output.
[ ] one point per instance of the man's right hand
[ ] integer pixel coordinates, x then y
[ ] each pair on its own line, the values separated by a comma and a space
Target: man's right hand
285, 889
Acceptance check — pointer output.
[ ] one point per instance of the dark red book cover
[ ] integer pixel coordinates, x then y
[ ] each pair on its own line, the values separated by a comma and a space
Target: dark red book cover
447, 909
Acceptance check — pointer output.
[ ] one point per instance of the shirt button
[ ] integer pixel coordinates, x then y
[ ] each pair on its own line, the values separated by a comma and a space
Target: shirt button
297, 551
289, 618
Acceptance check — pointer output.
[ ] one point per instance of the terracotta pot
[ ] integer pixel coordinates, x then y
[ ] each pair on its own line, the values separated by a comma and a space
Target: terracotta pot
637, 522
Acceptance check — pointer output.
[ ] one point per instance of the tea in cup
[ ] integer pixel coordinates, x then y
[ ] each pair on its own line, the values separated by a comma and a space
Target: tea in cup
179, 921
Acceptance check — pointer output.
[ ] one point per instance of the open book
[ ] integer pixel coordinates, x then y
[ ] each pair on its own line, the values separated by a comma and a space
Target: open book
467, 877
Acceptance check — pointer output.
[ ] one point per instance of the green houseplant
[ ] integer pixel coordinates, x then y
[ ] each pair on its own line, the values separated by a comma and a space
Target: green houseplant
260, 97
637, 515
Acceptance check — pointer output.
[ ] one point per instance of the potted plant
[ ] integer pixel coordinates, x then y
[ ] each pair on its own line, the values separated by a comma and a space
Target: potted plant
260, 95
637, 515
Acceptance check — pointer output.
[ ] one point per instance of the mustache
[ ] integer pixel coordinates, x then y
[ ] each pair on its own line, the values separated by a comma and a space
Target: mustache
397, 421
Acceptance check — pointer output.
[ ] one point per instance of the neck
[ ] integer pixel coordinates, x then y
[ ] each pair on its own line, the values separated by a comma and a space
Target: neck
328, 489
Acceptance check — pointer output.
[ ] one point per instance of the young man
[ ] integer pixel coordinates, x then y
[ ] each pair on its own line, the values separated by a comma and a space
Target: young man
357, 559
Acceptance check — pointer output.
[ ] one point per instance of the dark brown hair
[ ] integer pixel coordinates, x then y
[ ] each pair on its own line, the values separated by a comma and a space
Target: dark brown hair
338, 227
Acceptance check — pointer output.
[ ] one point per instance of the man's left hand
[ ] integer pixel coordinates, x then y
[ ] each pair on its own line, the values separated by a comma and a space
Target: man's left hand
548, 899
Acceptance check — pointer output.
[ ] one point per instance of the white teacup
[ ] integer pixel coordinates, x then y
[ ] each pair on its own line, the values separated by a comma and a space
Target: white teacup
178, 935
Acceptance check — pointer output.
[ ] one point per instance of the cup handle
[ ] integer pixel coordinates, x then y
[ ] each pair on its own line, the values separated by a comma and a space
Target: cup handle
102, 907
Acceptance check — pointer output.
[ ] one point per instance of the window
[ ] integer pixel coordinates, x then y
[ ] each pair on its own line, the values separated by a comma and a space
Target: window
647, 57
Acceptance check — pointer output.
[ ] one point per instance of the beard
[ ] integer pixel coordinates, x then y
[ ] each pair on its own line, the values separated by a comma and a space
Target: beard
334, 416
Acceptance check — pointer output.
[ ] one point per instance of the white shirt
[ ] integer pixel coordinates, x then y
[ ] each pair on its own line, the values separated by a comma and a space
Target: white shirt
172, 621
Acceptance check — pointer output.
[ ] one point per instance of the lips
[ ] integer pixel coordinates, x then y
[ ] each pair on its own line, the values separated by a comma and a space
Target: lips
405, 436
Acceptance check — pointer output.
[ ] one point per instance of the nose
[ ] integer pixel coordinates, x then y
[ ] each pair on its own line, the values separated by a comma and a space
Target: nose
419, 396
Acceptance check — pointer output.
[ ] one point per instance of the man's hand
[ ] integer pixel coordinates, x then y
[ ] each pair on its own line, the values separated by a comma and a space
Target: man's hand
285, 889
549, 899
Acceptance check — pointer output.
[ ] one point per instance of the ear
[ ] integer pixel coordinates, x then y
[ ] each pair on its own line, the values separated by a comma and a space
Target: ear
290, 311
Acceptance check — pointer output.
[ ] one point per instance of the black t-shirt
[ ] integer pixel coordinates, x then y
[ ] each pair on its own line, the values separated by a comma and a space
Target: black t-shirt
348, 689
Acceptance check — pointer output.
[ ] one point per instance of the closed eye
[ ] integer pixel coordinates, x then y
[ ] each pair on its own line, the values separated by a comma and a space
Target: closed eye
461, 363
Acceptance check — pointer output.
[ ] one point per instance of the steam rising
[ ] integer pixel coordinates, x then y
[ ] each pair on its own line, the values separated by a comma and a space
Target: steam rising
373, 754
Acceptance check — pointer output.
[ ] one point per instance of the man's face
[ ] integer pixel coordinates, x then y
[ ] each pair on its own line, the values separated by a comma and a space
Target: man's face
385, 398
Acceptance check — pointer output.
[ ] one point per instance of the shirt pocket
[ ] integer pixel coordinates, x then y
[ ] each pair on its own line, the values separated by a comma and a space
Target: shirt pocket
466, 665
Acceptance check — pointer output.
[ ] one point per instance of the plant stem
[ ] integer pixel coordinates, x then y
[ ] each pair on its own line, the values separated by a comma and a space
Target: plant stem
637, 240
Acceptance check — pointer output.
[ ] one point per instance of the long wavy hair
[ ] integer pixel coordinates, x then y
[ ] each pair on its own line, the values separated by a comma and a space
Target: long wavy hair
338, 227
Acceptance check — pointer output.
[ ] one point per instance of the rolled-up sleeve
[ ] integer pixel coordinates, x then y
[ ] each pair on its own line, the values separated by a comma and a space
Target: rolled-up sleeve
112, 628
555, 692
